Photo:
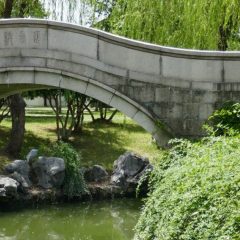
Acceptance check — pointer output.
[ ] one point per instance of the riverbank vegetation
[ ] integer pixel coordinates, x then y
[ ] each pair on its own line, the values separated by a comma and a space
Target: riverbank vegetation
195, 186
195, 192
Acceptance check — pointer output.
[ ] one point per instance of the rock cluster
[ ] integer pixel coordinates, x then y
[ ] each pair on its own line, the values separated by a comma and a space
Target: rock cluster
44, 172
37, 177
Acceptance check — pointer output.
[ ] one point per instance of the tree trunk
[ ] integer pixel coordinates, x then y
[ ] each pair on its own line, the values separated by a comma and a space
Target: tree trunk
8, 9
45, 101
112, 116
17, 108
223, 37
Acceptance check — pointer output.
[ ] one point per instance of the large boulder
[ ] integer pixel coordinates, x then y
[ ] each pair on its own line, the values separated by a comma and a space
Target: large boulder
128, 169
95, 174
19, 170
8, 187
49, 171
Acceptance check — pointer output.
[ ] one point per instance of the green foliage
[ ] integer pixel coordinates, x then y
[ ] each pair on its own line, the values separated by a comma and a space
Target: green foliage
200, 24
74, 183
25, 8
224, 121
32, 8
195, 193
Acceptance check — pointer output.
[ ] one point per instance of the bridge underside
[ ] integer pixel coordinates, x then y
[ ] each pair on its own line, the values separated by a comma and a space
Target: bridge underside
31, 79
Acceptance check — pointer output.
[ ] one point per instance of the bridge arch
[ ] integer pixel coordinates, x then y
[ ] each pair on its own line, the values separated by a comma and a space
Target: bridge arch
150, 83
16, 80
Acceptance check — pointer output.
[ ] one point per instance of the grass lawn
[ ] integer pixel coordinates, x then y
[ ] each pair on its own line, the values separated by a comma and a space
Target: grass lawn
99, 143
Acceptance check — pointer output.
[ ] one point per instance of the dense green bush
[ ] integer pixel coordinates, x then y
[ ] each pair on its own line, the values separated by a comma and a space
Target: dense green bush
195, 193
74, 183
225, 121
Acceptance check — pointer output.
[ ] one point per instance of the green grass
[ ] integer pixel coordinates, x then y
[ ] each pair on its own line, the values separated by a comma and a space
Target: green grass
99, 143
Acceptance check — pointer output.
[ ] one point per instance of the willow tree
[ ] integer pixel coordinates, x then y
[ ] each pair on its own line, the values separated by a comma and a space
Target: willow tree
199, 24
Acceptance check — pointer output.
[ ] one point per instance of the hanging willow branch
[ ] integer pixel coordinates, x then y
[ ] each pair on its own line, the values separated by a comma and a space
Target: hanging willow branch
201, 24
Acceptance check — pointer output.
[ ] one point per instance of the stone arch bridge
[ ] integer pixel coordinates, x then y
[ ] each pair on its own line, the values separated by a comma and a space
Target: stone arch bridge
168, 91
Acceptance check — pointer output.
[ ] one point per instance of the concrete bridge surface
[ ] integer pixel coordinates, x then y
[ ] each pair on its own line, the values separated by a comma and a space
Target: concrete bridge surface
168, 91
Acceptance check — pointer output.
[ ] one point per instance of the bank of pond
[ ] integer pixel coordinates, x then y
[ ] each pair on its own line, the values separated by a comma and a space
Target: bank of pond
193, 194
34, 205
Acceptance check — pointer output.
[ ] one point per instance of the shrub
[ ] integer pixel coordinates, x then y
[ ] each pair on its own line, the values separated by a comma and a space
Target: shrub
225, 121
194, 193
74, 183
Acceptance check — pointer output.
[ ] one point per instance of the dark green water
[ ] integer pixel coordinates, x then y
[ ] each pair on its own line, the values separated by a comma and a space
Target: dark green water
108, 220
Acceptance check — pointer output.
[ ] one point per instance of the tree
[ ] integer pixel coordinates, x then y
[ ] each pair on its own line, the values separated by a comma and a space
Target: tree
102, 109
72, 120
8, 9
201, 24
69, 121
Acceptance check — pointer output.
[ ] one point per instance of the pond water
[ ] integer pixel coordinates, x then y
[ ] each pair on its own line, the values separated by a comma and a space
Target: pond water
107, 220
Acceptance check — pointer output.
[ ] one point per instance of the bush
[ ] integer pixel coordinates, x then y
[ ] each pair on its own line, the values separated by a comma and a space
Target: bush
194, 193
74, 183
225, 121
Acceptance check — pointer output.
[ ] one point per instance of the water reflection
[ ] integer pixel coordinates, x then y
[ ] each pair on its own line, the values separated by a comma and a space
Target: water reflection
109, 220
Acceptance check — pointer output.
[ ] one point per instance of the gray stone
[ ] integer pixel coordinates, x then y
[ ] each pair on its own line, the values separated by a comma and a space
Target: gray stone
2, 192
19, 170
8, 187
32, 155
128, 169
49, 171
24, 182
95, 174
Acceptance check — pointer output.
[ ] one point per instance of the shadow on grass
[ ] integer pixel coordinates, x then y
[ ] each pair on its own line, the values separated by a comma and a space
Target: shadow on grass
124, 126
4, 136
99, 143
102, 143
40, 119
99, 147
30, 141
4, 158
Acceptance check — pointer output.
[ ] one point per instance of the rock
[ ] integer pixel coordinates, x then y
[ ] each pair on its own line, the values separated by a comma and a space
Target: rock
19, 170
95, 174
49, 171
8, 187
2, 192
22, 180
128, 169
32, 155
133, 182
